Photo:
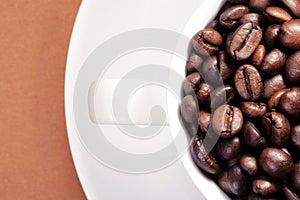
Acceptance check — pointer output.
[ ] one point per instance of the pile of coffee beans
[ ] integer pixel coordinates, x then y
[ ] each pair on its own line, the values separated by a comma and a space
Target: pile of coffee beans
242, 96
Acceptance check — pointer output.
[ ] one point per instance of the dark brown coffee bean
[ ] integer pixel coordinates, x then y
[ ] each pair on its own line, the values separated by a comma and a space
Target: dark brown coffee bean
204, 119
203, 159
277, 14
189, 109
194, 62
253, 110
203, 93
233, 161
290, 103
252, 136
295, 178
276, 126
254, 18
289, 34
244, 41
210, 71
227, 149
273, 62
207, 41
248, 82
264, 187
227, 121
292, 5
225, 66
273, 85
224, 182
289, 194
274, 100
221, 95
231, 16
228, 41
191, 83
238, 181
258, 55
276, 163
249, 164
292, 68
272, 35
260, 5
295, 137
213, 24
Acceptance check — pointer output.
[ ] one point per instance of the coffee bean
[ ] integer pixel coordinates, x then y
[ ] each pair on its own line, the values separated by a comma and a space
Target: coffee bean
231, 16
292, 68
225, 66
227, 149
272, 35
293, 5
238, 181
191, 83
220, 96
203, 159
215, 24
210, 71
228, 41
273, 62
254, 18
276, 126
277, 14
290, 103
204, 120
203, 93
224, 182
244, 41
253, 110
264, 187
274, 100
189, 109
295, 136
295, 178
249, 164
276, 163
248, 82
273, 85
207, 41
258, 55
194, 62
252, 136
289, 194
289, 34
260, 5
227, 121
233, 161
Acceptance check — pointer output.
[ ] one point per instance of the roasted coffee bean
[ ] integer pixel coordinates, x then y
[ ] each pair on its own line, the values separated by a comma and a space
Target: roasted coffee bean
295, 137
277, 128
244, 41
233, 161
203, 93
258, 55
215, 24
274, 100
277, 14
191, 83
238, 181
221, 95
224, 182
253, 110
252, 136
273, 62
225, 66
273, 85
207, 41
227, 121
211, 72
295, 178
272, 35
227, 149
249, 164
276, 163
203, 159
289, 34
290, 103
293, 5
292, 68
254, 18
248, 82
204, 120
228, 41
194, 62
260, 5
264, 187
189, 109
231, 16
289, 194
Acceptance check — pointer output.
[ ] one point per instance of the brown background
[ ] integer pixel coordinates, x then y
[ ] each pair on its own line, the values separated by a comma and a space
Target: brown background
35, 160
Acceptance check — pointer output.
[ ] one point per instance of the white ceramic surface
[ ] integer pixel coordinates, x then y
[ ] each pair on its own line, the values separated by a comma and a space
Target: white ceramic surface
97, 21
